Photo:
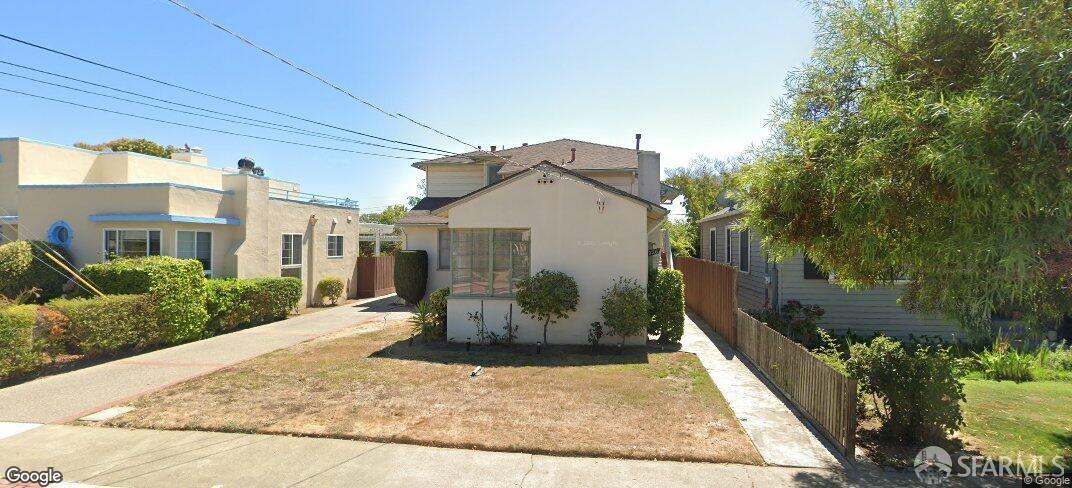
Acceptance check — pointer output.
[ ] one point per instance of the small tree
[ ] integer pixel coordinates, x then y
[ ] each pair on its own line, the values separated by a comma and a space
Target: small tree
625, 308
547, 296
666, 299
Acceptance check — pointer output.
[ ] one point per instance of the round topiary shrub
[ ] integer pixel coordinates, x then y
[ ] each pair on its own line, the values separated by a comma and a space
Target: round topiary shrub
411, 275
625, 308
330, 288
547, 296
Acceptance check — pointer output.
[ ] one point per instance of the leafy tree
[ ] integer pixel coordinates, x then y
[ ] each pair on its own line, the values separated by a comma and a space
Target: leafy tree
682, 233
700, 183
928, 140
548, 296
390, 216
140, 146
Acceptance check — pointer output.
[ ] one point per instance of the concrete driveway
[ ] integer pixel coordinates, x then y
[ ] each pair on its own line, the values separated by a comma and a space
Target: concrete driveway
64, 397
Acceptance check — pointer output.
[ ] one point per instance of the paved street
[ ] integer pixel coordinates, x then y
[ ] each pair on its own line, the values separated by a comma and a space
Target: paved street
64, 397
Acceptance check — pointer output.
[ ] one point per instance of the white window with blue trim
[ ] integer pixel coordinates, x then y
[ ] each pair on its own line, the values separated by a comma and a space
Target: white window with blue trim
195, 244
131, 243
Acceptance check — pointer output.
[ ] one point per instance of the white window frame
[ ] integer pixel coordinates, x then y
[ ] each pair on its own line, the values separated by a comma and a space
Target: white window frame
301, 249
745, 266
341, 248
729, 247
211, 246
439, 248
104, 239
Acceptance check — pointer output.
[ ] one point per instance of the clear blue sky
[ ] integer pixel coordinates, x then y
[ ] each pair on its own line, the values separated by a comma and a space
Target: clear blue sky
693, 77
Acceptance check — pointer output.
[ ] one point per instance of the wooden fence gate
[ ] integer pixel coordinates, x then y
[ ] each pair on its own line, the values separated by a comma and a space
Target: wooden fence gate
375, 276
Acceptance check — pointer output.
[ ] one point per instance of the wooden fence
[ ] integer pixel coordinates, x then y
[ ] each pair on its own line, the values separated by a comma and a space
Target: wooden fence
375, 276
825, 396
711, 292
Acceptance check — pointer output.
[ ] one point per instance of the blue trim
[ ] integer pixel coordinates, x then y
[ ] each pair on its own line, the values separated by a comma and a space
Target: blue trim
125, 185
54, 234
317, 204
181, 219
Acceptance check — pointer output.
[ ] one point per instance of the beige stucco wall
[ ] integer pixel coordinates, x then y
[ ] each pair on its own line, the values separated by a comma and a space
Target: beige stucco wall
9, 177
426, 238
294, 218
568, 233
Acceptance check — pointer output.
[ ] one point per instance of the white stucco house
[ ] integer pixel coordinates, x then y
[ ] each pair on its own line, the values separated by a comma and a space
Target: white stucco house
237, 223
493, 218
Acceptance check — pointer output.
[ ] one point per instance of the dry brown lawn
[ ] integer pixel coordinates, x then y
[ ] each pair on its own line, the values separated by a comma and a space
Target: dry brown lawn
643, 404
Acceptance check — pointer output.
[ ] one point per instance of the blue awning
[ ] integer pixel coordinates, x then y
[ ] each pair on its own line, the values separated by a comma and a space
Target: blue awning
180, 219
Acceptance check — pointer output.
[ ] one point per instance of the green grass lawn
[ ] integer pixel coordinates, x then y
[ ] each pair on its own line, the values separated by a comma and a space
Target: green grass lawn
1006, 418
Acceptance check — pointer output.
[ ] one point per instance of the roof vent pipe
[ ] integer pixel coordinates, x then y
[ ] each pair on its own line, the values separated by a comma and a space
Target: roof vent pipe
573, 155
638, 142
493, 148
246, 165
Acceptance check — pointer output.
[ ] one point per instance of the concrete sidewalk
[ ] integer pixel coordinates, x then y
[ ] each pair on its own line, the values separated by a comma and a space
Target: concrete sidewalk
781, 437
145, 458
67, 396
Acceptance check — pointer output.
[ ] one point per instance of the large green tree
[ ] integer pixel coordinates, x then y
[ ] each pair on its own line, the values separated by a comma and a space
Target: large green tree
700, 182
929, 140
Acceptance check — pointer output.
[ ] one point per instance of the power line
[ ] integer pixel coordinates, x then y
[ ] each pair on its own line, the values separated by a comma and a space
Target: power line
217, 97
299, 131
221, 131
280, 58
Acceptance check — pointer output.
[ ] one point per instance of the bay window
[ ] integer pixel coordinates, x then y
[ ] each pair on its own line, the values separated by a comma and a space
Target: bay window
131, 243
488, 262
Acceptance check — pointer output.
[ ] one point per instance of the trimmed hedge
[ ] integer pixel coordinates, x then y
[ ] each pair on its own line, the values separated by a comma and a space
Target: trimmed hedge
110, 323
666, 302
330, 288
22, 266
18, 352
411, 275
177, 285
232, 303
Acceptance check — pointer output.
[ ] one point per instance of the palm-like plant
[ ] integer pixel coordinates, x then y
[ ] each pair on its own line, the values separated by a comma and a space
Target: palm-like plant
423, 321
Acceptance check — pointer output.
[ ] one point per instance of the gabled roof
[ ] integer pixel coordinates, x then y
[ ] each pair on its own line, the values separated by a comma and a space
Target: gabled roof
590, 156
432, 203
722, 213
546, 166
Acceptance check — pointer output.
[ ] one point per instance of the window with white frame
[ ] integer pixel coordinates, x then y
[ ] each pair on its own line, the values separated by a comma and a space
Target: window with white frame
131, 243
744, 246
335, 246
729, 254
444, 248
488, 262
191, 244
292, 250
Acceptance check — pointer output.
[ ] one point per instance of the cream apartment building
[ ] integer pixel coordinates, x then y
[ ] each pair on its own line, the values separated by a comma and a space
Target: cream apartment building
238, 224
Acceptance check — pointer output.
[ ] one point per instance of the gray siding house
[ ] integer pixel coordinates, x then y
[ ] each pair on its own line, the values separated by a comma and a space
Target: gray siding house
761, 283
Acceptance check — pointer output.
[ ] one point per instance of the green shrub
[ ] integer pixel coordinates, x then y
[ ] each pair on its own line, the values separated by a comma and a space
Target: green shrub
233, 303
666, 301
274, 298
438, 301
411, 275
23, 266
18, 352
547, 296
177, 285
1001, 362
228, 303
423, 320
1058, 359
330, 288
917, 393
625, 308
110, 323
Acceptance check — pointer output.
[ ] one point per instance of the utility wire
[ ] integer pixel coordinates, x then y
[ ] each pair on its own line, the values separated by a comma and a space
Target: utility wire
217, 97
280, 58
209, 129
36, 70
299, 131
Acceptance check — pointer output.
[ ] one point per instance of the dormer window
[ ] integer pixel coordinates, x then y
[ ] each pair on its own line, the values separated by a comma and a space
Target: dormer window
492, 173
